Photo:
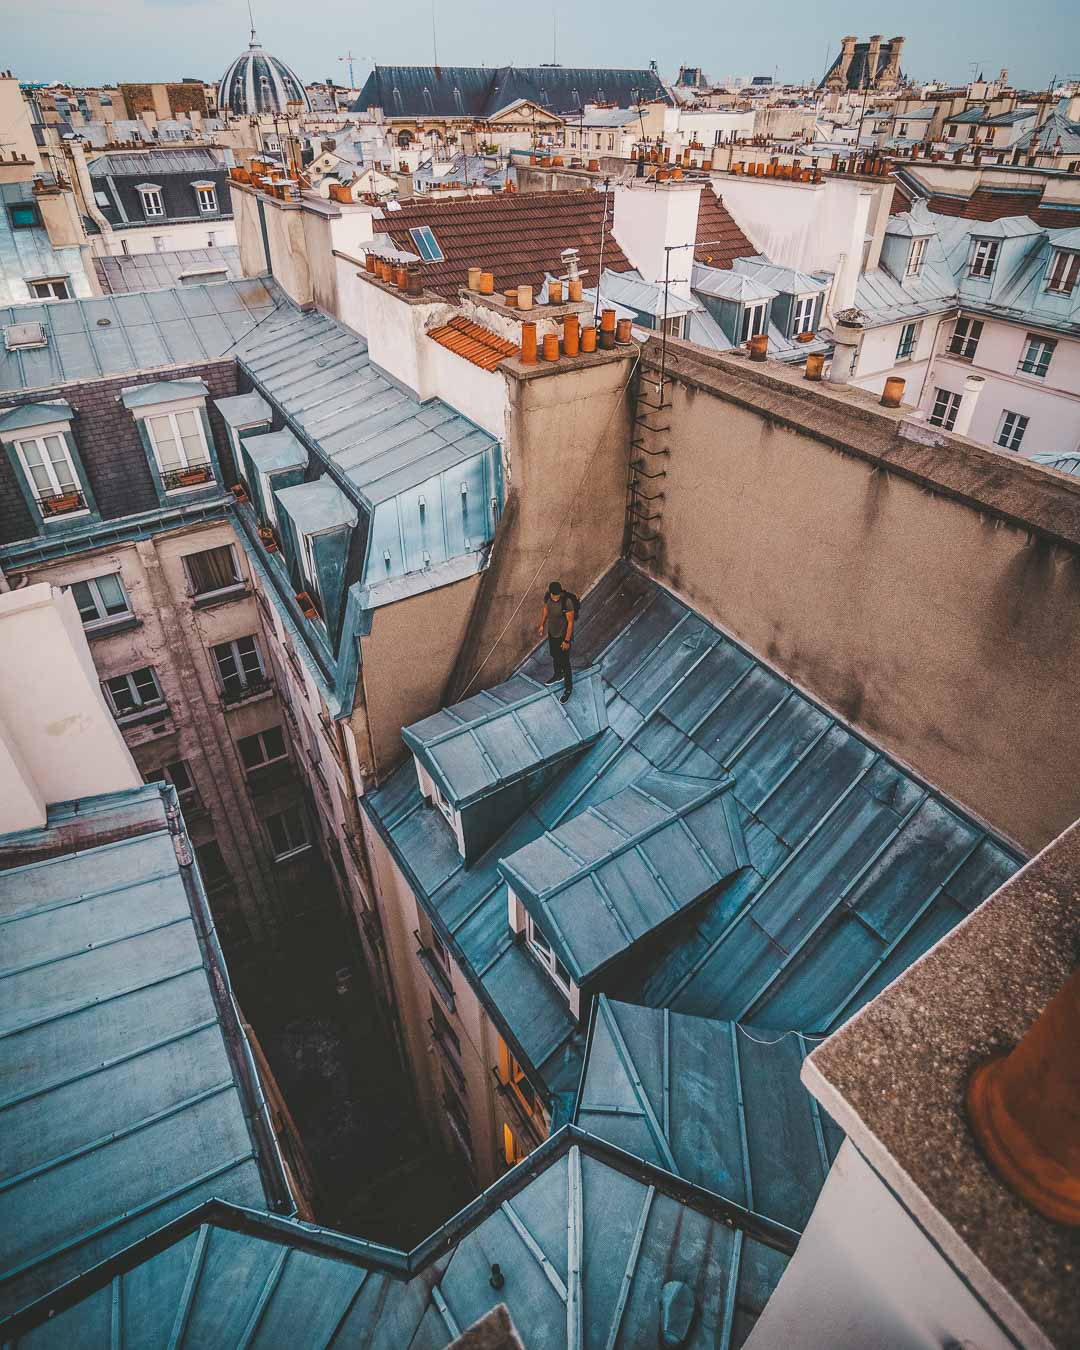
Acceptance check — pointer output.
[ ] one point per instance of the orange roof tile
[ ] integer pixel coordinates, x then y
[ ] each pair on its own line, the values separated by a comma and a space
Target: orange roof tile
474, 342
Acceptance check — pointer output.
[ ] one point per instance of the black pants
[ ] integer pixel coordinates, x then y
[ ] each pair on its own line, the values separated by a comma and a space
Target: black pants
560, 661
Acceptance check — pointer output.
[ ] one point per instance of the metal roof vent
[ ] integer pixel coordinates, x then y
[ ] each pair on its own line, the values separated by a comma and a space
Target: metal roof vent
18, 336
676, 1313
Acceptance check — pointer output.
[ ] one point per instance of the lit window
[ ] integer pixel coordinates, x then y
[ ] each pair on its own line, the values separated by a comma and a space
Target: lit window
240, 668
753, 320
1011, 431
288, 833
1038, 352
100, 598
49, 470
541, 949
212, 570
803, 317
983, 258
909, 340
512, 1150
152, 204
265, 747
426, 244
179, 445
51, 288
964, 341
946, 406
134, 693
207, 197
1063, 272
915, 257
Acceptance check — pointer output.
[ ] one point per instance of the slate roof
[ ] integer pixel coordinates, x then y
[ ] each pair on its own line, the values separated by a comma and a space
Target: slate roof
129, 1094
716, 1103
117, 174
585, 1237
859, 74
517, 236
125, 272
1057, 127
505, 733
856, 867
622, 869
27, 253
482, 91
119, 335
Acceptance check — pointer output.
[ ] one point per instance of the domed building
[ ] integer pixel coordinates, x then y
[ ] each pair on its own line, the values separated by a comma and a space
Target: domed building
257, 82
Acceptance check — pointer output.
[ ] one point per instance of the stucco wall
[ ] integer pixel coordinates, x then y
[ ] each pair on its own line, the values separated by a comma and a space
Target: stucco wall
944, 632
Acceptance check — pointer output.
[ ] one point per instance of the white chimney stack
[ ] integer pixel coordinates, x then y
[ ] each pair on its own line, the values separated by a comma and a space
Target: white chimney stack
649, 219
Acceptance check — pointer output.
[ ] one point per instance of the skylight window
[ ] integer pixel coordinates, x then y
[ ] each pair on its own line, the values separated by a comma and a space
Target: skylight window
426, 244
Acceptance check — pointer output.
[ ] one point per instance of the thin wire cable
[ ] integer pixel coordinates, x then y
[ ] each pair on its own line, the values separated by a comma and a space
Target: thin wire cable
803, 1035
569, 526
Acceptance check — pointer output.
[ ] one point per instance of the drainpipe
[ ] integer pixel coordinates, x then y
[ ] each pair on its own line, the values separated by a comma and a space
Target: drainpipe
86, 188
973, 387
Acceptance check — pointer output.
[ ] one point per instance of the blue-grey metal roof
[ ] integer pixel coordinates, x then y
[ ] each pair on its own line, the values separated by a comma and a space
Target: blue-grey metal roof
1055, 460
123, 334
787, 280
617, 872
35, 414
645, 297
976, 114
27, 254
162, 391
505, 733
122, 273
586, 1240
729, 284
244, 410
714, 1102
276, 450
1057, 127
382, 438
856, 867
317, 506
147, 162
128, 1092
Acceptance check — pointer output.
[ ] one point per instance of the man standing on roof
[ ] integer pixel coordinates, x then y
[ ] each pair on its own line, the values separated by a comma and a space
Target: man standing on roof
558, 616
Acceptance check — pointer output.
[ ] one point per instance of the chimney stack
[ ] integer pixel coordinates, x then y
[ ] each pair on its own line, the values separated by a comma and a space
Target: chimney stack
873, 55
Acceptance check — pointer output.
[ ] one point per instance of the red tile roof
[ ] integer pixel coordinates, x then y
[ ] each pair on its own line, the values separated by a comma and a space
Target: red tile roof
986, 205
714, 222
474, 342
518, 236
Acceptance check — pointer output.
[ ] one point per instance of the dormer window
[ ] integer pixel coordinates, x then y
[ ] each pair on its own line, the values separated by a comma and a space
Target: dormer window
983, 258
753, 320
38, 439
915, 257
802, 320
152, 204
541, 949
176, 435
206, 196
1063, 272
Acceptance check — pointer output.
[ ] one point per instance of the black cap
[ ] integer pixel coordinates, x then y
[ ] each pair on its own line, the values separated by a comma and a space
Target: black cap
555, 587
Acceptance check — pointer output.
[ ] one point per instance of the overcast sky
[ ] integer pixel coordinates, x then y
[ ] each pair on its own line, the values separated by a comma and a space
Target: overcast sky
99, 41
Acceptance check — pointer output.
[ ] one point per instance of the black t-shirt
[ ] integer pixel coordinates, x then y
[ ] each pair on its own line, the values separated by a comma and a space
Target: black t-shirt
557, 611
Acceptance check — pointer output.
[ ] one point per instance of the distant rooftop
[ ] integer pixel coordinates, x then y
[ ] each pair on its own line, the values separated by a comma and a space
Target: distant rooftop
129, 1092
122, 273
26, 252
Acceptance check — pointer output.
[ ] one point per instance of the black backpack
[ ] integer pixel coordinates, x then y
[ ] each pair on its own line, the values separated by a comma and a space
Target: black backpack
571, 603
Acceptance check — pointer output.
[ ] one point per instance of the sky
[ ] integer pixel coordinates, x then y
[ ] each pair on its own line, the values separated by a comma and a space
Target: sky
100, 41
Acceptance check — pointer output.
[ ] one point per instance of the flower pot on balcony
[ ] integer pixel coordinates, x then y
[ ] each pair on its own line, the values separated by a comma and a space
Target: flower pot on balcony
239, 491
188, 477
805, 337
58, 505
307, 605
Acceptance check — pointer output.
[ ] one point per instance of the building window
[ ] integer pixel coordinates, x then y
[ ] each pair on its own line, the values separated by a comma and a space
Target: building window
541, 949
46, 462
983, 258
909, 340
946, 406
965, 338
1011, 431
211, 240
212, 869
1063, 272
915, 257
178, 774
513, 1075
288, 833
265, 747
100, 599
179, 445
512, 1149
206, 194
673, 327
426, 244
903, 129
1038, 352
240, 668
212, 571
457, 1117
152, 204
24, 215
134, 693
803, 317
50, 288
159, 243
753, 320
611, 141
